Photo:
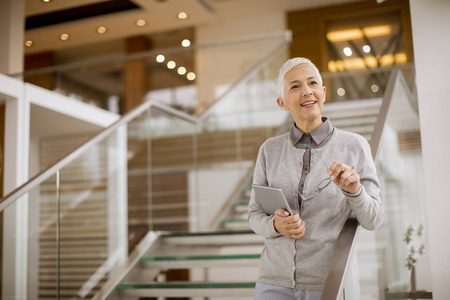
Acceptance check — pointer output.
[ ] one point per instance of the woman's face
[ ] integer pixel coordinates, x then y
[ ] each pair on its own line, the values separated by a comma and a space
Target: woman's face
303, 95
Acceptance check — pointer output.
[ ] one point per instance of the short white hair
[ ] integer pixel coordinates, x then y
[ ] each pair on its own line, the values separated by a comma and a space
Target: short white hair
288, 66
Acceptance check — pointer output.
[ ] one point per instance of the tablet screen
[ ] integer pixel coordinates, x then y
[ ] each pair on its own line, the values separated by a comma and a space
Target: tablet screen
271, 199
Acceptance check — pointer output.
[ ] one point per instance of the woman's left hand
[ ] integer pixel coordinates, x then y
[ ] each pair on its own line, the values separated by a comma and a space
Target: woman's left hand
344, 177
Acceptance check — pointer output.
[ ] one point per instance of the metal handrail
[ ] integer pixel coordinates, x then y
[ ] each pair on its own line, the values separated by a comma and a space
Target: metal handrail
45, 174
346, 241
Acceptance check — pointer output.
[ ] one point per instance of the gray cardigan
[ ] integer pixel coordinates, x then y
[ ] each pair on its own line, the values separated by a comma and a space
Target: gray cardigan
304, 263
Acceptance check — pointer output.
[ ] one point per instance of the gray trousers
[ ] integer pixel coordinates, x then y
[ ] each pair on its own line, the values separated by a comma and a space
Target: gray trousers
265, 291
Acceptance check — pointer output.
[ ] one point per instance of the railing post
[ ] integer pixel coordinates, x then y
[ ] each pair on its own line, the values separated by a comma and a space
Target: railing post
341, 258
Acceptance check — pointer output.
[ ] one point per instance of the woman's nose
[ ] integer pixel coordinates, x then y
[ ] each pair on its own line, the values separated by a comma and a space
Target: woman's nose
306, 92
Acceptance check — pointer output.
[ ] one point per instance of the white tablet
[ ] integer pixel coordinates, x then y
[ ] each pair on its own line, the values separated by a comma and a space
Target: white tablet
271, 199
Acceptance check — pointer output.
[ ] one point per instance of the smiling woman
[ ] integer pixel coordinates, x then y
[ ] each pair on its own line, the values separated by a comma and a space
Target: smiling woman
299, 246
303, 97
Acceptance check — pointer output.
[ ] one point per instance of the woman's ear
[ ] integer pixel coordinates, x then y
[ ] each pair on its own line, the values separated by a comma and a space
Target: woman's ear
281, 103
324, 93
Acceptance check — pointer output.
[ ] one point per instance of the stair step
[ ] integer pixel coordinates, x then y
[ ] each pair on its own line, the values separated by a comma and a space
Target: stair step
235, 224
240, 207
74, 257
200, 261
354, 121
188, 289
224, 238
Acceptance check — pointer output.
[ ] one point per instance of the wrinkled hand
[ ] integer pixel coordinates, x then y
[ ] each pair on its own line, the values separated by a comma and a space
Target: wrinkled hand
344, 177
289, 226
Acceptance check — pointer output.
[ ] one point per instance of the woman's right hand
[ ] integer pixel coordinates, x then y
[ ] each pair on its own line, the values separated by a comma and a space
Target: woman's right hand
287, 225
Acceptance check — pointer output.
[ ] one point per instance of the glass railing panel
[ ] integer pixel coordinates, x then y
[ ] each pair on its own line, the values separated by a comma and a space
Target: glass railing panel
393, 259
231, 132
42, 268
31, 246
43, 264
364, 83
252, 102
87, 206
159, 174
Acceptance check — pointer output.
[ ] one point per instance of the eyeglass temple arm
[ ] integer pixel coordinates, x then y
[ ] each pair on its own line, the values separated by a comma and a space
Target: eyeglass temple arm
318, 154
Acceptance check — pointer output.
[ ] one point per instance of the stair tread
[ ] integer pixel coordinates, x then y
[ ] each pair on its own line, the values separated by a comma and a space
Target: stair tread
186, 285
200, 257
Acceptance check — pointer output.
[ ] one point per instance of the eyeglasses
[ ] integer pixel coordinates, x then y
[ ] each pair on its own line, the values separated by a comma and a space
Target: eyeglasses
320, 187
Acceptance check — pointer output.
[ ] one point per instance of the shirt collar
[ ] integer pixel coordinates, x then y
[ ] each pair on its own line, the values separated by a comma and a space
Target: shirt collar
318, 134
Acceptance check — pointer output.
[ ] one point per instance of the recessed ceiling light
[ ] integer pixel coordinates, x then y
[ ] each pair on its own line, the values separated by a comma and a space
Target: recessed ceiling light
160, 58
374, 88
171, 64
141, 23
29, 43
101, 29
182, 15
366, 48
186, 43
341, 92
46, 1
64, 37
348, 51
181, 70
191, 76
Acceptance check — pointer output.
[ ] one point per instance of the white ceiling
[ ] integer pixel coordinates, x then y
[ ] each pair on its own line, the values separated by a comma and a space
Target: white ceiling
160, 16
61, 124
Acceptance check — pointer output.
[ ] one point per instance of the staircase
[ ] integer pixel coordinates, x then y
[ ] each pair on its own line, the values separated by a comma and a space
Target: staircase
219, 264
233, 247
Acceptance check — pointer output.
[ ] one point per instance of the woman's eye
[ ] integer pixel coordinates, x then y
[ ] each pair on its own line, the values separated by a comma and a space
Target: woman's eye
294, 87
313, 82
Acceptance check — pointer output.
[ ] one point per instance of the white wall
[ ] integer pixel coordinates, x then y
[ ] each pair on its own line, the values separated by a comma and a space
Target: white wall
430, 23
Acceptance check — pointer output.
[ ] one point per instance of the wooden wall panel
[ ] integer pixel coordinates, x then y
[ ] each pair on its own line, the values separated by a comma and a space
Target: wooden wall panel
37, 61
135, 76
308, 27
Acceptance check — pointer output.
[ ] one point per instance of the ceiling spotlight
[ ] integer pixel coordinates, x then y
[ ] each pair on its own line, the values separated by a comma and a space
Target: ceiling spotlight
160, 58
348, 51
374, 88
141, 23
46, 1
171, 64
29, 43
186, 43
191, 76
366, 48
64, 37
181, 70
101, 29
182, 15
341, 92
